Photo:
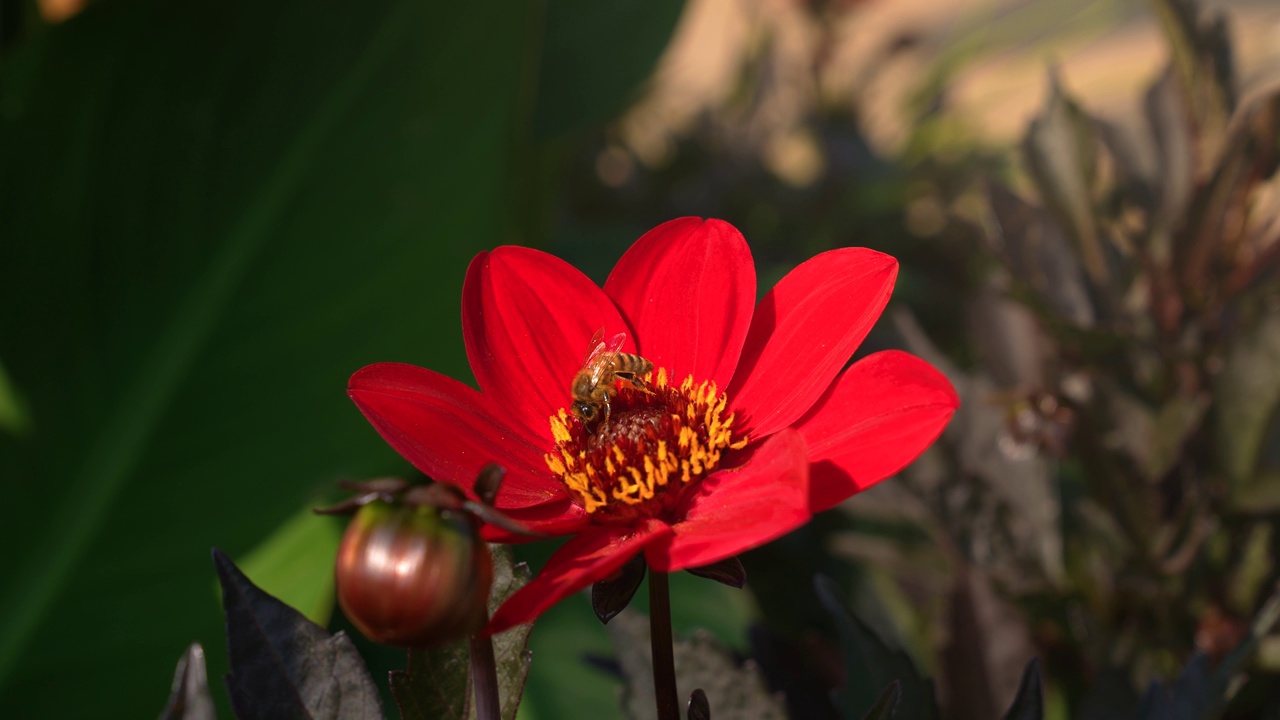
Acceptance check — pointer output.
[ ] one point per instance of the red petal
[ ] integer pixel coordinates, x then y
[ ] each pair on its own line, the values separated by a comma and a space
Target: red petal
878, 417
559, 517
447, 431
804, 331
687, 287
738, 509
527, 318
590, 556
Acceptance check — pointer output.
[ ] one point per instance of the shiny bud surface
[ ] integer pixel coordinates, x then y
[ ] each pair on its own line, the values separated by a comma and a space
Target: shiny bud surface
413, 575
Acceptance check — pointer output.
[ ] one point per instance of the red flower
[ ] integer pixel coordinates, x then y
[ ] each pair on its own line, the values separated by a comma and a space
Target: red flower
746, 428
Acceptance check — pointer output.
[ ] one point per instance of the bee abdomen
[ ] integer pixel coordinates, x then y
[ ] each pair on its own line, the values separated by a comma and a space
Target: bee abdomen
632, 365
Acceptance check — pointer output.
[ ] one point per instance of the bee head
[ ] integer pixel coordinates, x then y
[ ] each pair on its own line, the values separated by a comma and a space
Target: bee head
586, 412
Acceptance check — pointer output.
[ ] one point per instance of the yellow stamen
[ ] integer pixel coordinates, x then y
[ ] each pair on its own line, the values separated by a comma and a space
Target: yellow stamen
661, 438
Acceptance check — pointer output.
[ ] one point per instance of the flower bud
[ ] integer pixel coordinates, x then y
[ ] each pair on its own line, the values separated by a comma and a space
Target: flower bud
413, 575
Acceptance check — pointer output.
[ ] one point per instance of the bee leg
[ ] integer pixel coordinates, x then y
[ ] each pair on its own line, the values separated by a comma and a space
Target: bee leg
635, 382
604, 422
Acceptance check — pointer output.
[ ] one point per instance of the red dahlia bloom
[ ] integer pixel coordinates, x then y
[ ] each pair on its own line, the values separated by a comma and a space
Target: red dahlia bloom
747, 426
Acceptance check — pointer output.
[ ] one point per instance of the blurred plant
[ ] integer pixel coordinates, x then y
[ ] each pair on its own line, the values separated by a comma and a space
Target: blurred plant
1114, 468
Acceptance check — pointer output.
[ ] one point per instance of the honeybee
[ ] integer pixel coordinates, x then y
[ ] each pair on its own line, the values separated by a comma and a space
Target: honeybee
593, 386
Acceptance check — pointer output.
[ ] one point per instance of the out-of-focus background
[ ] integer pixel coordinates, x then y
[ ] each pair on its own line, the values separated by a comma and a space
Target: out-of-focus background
211, 213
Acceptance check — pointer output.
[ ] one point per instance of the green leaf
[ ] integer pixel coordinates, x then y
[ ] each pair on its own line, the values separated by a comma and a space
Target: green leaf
213, 213
295, 564
594, 55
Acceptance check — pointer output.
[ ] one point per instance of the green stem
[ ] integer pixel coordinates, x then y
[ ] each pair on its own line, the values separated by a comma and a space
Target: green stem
664, 665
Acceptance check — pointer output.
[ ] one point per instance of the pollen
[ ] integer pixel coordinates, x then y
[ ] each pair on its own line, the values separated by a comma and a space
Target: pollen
661, 439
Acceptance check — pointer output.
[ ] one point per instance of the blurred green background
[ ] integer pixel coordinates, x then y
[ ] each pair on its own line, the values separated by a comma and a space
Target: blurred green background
212, 213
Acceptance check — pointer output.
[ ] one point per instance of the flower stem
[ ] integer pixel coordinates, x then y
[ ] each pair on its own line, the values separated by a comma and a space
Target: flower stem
664, 666
484, 677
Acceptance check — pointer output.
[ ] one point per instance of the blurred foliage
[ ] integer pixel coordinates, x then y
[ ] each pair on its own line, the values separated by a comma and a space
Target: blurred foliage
212, 214
1105, 300
1128, 304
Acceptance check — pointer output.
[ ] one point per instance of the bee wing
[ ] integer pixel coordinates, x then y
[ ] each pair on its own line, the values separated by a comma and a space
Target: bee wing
615, 343
599, 361
594, 348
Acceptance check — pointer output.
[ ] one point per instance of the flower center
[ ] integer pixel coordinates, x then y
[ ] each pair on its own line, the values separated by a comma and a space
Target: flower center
657, 443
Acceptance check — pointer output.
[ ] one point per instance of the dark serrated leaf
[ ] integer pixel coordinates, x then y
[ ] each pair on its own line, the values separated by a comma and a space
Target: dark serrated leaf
285, 666
726, 572
886, 703
870, 664
510, 648
437, 683
612, 596
1028, 704
699, 708
189, 699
